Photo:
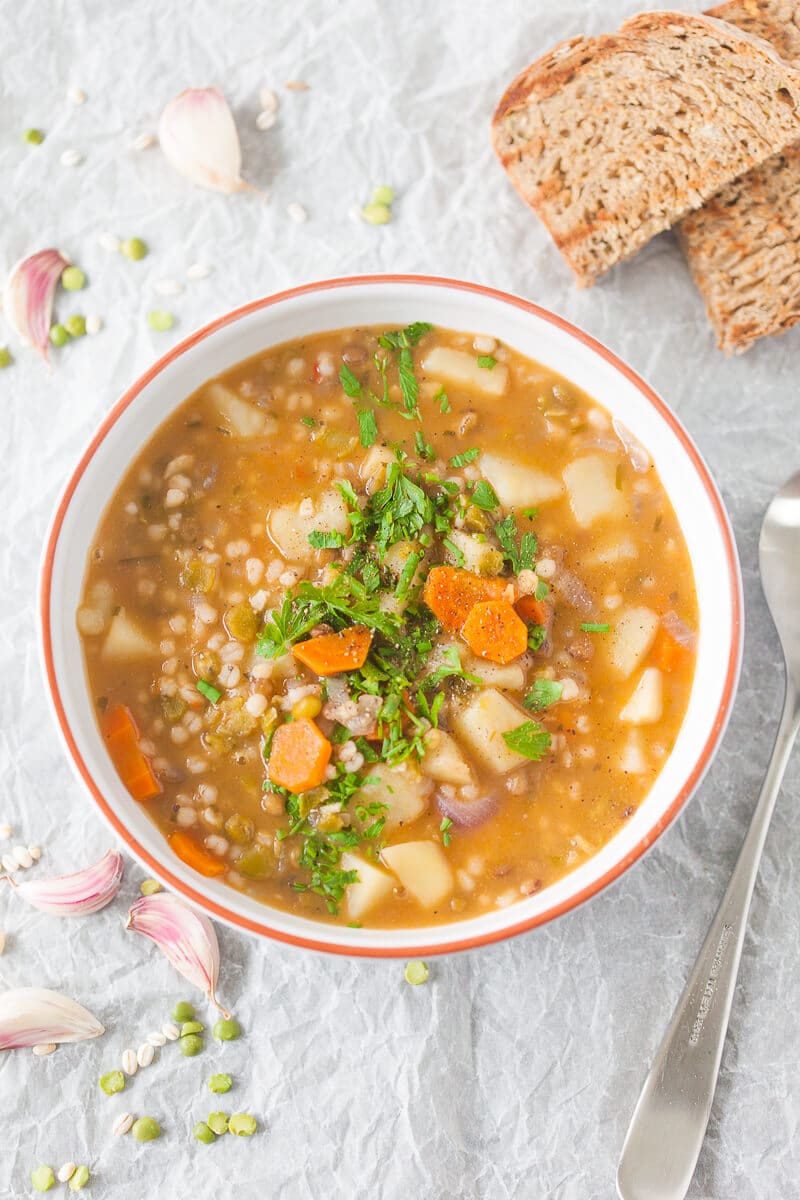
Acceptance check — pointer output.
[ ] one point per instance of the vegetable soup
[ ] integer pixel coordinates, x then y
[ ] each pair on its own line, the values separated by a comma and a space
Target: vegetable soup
389, 627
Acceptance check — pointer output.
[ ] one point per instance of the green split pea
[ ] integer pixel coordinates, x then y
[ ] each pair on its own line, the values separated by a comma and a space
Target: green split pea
183, 1011
112, 1082
146, 1129
43, 1178
227, 1030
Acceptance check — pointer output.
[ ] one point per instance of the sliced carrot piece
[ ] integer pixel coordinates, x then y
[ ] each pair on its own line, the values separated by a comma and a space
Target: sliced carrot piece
493, 630
451, 593
195, 856
667, 653
534, 611
122, 739
335, 652
299, 755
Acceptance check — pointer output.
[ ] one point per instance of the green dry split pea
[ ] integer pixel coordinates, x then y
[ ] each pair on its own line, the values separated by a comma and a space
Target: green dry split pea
218, 1121
43, 1178
191, 1045
203, 1134
34, 137
134, 249
79, 1179
183, 1010
112, 1082
73, 279
227, 1030
5, 357
58, 335
149, 887
416, 972
220, 1083
160, 321
376, 214
75, 326
146, 1129
191, 1027
242, 1124
383, 194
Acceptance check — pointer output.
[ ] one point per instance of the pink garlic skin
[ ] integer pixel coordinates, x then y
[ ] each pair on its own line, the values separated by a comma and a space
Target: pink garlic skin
28, 298
30, 1016
186, 937
80, 893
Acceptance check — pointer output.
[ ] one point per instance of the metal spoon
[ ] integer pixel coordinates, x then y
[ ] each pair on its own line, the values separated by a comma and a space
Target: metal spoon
669, 1122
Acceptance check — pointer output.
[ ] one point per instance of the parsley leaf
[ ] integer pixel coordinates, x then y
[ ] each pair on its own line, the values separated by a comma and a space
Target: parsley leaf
407, 574
309, 421
350, 384
528, 739
521, 559
484, 496
367, 427
440, 398
409, 385
457, 554
405, 337
487, 361
444, 829
325, 541
462, 460
542, 590
424, 449
543, 693
537, 635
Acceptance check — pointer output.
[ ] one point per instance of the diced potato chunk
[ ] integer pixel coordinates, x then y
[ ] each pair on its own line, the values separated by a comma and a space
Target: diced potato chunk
374, 885
443, 759
518, 485
647, 702
423, 870
630, 639
510, 677
402, 789
374, 465
239, 416
126, 640
289, 529
481, 725
481, 557
456, 366
592, 487
632, 759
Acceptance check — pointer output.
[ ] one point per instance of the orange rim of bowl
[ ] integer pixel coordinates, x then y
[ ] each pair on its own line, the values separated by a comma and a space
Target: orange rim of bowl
457, 944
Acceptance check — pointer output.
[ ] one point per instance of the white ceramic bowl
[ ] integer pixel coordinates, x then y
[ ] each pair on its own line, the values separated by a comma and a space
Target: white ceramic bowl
394, 301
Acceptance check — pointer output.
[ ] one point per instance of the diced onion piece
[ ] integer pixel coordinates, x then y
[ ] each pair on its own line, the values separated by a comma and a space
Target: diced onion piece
592, 486
403, 790
423, 870
373, 886
630, 639
240, 417
455, 366
519, 485
481, 724
646, 704
443, 760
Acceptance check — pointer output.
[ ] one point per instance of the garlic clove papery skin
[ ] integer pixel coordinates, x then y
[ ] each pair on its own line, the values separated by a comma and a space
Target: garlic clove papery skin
78, 894
186, 937
28, 297
31, 1016
198, 135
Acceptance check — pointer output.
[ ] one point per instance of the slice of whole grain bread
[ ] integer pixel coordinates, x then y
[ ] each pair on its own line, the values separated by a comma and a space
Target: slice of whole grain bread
743, 246
613, 139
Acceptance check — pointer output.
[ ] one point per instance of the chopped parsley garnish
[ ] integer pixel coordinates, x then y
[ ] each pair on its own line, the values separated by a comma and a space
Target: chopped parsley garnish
403, 338
401, 342
367, 427
595, 627
346, 601
440, 398
484, 496
407, 574
537, 635
542, 590
522, 558
325, 541
208, 690
543, 693
486, 361
309, 421
528, 739
444, 829
458, 555
463, 460
350, 384
530, 513
424, 449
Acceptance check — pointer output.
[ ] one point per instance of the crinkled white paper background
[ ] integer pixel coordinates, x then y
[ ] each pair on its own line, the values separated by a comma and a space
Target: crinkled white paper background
514, 1072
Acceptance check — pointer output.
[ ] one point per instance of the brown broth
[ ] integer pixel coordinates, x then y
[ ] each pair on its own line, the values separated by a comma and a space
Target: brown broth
194, 509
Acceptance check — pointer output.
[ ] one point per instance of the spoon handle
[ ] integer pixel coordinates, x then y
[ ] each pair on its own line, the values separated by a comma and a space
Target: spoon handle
669, 1122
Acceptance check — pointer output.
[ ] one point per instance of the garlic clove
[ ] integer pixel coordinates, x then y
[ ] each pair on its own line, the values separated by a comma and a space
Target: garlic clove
198, 135
186, 937
28, 298
78, 894
31, 1016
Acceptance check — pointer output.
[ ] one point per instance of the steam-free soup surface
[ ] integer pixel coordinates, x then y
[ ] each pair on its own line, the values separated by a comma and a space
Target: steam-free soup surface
389, 627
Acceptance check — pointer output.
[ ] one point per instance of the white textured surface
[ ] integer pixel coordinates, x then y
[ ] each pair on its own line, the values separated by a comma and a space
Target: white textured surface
513, 1072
